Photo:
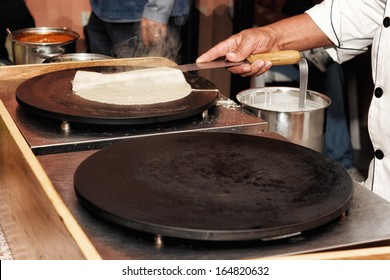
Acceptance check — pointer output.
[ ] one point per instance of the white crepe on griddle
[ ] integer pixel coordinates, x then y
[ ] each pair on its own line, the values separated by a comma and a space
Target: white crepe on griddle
137, 87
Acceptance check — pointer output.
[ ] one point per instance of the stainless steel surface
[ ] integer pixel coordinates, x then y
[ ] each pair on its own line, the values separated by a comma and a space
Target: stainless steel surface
367, 221
47, 136
208, 65
303, 76
278, 106
30, 53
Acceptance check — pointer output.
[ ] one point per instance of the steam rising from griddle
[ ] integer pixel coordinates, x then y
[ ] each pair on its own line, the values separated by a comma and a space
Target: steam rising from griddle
168, 47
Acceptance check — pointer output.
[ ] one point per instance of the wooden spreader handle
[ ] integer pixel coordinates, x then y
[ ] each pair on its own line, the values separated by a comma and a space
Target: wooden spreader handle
277, 58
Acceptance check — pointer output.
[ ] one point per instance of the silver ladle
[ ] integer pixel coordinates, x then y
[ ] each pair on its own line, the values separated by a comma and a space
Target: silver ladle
303, 76
10, 36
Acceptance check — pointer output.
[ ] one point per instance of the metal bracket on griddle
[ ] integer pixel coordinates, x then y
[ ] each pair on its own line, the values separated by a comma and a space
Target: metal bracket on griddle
205, 114
65, 127
158, 240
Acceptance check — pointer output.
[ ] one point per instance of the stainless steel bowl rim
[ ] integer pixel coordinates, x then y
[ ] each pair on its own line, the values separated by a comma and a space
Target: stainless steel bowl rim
77, 57
243, 93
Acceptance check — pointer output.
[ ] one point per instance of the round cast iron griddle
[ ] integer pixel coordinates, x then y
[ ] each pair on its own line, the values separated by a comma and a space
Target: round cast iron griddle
51, 95
213, 186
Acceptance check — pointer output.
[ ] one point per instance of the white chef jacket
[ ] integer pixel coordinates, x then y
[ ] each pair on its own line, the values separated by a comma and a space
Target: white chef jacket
352, 25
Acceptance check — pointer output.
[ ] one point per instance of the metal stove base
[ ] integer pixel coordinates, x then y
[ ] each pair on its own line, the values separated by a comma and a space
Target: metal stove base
367, 212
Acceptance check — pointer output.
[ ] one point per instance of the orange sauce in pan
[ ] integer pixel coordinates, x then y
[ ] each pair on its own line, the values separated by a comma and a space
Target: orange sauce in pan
44, 37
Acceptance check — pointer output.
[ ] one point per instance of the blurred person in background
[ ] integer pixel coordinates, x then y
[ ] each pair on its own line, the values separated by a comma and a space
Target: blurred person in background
14, 15
325, 76
133, 28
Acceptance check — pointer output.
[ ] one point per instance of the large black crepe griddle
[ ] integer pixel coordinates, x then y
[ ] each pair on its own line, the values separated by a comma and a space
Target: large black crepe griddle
50, 95
213, 186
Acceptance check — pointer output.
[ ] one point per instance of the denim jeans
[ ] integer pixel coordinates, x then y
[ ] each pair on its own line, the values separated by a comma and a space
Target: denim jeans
105, 37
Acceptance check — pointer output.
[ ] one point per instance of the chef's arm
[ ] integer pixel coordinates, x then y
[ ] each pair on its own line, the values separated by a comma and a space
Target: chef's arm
294, 33
297, 33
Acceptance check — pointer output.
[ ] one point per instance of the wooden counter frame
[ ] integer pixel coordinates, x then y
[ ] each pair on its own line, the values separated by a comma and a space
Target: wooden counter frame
35, 221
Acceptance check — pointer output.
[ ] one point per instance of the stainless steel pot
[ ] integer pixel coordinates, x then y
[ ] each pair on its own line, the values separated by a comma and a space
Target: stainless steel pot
278, 106
36, 51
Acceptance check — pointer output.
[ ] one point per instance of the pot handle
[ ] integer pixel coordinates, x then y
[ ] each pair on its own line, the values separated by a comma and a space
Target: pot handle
41, 54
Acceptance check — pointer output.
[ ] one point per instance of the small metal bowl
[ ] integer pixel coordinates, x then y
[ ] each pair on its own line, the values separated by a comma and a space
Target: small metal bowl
76, 57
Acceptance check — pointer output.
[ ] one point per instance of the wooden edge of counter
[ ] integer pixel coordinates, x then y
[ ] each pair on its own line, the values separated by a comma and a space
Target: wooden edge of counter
373, 253
25, 71
12, 140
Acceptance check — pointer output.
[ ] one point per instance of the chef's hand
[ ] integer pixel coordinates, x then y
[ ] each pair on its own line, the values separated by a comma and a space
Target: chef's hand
152, 32
239, 46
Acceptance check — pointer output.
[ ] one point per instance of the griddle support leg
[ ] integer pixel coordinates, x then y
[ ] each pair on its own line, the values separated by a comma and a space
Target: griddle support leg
65, 127
205, 114
158, 240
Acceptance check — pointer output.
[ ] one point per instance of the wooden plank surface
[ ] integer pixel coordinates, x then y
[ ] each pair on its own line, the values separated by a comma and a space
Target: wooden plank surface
35, 222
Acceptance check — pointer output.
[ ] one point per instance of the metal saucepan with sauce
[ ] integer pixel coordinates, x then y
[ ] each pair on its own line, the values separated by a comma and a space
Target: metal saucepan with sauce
34, 45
